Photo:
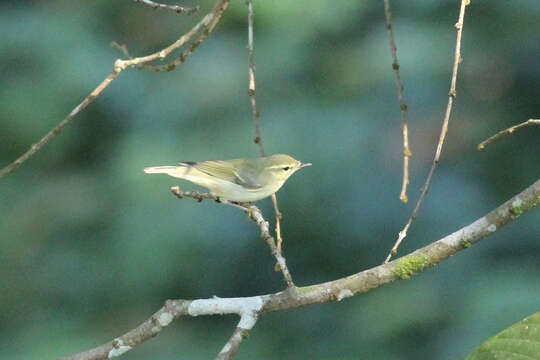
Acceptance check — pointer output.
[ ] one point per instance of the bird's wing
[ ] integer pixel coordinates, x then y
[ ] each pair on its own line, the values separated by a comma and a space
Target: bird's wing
225, 170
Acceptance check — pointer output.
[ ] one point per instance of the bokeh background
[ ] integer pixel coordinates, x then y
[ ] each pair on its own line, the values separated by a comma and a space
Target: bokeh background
90, 246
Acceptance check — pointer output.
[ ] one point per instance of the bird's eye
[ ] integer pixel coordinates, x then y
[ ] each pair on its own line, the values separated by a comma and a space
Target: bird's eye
286, 168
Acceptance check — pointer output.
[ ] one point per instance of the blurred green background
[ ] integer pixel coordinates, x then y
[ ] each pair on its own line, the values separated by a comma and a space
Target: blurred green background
90, 246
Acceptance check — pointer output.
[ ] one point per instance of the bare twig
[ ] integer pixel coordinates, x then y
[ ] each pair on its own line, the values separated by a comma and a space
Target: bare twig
336, 290
194, 45
255, 214
444, 129
402, 103
123, 48
256, 115
239, 335
508, 131
60, 126
207, 24
151, 327
251, 90
279, 216
177, 9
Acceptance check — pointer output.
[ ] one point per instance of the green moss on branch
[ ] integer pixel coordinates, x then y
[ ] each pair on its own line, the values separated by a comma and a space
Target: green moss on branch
410, 265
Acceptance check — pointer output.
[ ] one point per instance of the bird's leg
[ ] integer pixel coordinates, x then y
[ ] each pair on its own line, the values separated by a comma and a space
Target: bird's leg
246, 206
177, 191
216, 198
240, 205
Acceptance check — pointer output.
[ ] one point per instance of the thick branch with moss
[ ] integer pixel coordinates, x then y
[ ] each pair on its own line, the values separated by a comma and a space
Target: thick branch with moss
250, 308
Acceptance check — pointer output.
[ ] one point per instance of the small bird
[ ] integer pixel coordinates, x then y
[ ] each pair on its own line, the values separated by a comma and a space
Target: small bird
238, 180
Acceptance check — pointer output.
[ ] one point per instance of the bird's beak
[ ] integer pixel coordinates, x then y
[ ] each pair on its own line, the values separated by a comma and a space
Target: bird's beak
304, 165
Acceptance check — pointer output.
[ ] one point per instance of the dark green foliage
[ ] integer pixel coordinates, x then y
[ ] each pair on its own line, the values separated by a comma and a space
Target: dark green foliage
519, 342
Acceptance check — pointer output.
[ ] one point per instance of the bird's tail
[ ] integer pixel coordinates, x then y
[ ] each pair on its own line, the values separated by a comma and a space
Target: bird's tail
161, 169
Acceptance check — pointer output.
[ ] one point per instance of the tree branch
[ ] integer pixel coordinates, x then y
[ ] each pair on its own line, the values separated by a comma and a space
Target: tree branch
60, 126
444, 129
402, 104
212, 22
177, 9
256, 115
251, 89
336, 290
207, 24
254, 214
150, 328
247, 321
508, 131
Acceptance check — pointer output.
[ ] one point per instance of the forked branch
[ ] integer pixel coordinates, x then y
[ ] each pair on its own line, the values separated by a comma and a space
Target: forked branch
206, 25
451, 96
254, 214
257, 139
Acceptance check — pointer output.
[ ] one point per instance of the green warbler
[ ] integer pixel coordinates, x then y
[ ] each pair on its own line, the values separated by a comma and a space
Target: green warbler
240, 180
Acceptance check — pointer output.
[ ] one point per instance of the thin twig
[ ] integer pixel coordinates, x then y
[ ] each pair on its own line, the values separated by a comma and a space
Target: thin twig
254, 214
251, 90
123, 48
402, 103
194, 45
336, 290
60, 126
444, 130
279, 216
177, 9
508, 131
238, 336
207, 24
256, 115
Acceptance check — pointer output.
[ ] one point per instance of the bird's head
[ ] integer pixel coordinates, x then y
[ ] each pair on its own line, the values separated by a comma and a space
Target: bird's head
280, 166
